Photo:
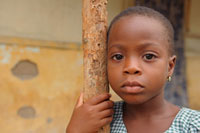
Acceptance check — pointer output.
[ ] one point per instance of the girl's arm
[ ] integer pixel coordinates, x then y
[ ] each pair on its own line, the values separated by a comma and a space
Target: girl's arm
90, 116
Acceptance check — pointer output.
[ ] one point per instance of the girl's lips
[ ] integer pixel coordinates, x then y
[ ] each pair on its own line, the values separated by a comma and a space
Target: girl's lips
132, 87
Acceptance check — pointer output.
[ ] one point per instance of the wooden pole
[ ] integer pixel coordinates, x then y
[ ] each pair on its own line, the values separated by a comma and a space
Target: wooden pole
94, 16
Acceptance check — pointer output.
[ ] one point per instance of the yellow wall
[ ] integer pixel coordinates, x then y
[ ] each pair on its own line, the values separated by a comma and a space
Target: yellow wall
192, 50
194, 17
43, 103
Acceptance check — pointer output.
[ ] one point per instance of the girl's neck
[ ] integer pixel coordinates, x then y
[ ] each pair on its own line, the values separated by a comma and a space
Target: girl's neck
156, 107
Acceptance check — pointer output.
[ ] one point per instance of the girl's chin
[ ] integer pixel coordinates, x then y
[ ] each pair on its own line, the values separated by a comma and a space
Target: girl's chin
134, 101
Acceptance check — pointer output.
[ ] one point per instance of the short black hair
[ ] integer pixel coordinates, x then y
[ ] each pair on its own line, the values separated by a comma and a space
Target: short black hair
151, 13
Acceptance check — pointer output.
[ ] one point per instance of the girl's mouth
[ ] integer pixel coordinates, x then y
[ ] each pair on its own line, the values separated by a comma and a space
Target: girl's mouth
133, 87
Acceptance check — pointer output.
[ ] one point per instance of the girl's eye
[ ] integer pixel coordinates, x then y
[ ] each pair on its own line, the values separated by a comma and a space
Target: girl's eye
149, 56
117, 57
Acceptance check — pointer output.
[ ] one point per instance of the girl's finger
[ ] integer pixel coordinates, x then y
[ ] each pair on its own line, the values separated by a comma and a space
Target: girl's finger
98, 99
108, 104
106, 113
106, 121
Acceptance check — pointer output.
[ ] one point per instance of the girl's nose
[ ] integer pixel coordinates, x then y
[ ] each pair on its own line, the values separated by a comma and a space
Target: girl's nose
132, 66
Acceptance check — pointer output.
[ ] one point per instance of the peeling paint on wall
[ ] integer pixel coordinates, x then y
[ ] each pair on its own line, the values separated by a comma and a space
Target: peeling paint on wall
33, 49
5, 54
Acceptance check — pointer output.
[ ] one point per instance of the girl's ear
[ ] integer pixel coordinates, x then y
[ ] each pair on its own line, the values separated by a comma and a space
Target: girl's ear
172, 62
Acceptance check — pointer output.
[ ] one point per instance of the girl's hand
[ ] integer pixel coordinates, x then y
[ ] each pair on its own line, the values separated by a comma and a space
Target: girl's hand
90, 116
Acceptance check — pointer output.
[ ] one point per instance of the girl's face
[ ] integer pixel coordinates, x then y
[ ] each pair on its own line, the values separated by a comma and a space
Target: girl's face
138, 59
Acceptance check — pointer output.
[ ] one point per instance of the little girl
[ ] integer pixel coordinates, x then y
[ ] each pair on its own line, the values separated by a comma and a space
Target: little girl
140, 61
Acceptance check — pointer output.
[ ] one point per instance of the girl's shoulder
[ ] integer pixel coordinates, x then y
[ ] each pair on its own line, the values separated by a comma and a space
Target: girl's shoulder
193, 114
186, 120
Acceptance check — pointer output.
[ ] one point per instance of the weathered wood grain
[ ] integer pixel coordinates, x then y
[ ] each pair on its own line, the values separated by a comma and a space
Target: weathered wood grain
94, 16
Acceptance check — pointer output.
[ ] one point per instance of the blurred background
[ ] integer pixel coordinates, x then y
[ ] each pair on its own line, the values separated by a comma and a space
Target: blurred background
41, 59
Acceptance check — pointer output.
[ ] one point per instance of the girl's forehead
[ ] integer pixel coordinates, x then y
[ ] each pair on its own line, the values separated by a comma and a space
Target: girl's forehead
139, 20
138, 29
137, 25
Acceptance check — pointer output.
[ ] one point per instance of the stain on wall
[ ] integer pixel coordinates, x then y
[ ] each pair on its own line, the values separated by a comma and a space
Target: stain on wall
26, 112
25, 70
